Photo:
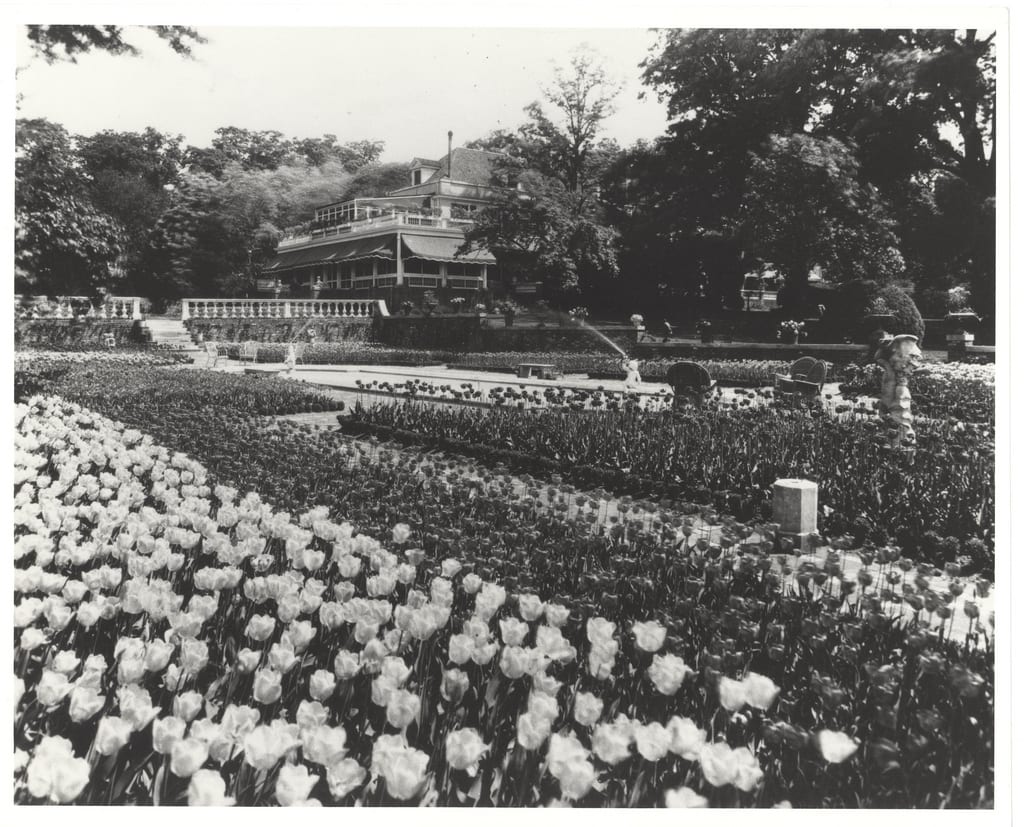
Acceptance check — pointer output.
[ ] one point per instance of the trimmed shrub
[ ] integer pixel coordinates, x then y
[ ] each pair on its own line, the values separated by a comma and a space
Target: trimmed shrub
894, 301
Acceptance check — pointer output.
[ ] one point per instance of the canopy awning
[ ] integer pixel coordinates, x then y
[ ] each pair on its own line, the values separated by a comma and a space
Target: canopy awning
433, 248
378, 247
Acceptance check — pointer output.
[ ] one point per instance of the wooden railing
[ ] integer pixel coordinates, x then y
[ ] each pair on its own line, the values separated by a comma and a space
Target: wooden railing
282, 308
70, 307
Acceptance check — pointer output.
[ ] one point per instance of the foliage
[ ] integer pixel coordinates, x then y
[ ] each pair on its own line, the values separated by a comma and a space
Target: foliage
550, 227
893, 96
805, 206
891, 300
62, 243
743, 681
55, 43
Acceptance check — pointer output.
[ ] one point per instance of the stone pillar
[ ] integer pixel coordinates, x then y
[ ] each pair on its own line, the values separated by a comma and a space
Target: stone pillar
957, 344
795, 509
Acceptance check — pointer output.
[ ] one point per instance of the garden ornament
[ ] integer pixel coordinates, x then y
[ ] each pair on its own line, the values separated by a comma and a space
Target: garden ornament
898, 356
632, 368
290, 357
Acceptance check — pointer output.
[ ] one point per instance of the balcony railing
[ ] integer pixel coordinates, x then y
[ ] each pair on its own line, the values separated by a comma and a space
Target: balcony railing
126, 308
397, 219
282, 308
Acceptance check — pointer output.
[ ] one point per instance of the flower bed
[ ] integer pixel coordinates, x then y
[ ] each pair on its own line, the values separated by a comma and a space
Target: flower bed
343, 353
604, 366
741, 452
180, 642
948, 391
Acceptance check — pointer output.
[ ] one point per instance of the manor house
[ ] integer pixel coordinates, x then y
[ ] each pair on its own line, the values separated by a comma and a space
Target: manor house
406, 238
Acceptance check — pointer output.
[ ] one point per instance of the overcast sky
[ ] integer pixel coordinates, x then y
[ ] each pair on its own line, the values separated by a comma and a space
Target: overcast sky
406, 87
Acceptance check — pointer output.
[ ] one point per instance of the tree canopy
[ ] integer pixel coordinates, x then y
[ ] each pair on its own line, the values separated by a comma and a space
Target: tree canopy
915, 108
55, 43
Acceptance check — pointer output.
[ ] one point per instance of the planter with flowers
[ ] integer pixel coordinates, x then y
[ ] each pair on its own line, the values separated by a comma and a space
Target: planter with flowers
458, 303
790, 331
579, 315
638, 323
706, 332
508, 309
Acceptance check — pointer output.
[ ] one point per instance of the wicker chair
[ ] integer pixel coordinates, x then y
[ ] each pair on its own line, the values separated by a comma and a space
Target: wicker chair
248, 351
690, 383
212, 354
806, 377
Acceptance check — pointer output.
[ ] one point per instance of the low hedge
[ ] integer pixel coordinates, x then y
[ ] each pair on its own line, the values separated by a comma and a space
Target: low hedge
75, 334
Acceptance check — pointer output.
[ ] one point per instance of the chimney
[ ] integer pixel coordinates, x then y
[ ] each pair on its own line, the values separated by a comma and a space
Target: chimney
449, 173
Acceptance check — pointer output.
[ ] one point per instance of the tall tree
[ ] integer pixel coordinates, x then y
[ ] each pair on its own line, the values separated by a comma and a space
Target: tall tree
129, 176
550, 227
917, 105
62, 243
806, 206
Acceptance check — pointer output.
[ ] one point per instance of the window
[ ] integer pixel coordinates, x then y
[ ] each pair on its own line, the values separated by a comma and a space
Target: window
362, 268
462, 268
465, 284
422, 281
417, 176
385, 281
422, 266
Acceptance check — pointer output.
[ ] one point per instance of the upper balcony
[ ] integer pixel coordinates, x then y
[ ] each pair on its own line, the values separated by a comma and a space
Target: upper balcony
373, 223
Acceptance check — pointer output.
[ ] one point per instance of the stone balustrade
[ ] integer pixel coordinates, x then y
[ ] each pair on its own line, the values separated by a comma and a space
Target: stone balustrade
125, 308
282, 308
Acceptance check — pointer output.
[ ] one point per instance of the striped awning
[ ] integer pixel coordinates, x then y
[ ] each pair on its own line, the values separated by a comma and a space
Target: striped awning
353, 248
434, 248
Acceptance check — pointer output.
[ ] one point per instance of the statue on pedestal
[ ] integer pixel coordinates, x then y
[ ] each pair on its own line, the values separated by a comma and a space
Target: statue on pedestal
898, 356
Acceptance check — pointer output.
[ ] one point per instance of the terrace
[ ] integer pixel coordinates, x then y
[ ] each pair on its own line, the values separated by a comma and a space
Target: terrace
355, 219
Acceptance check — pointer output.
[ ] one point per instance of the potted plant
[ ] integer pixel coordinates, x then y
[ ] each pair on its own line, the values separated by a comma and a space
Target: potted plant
705, 331
579, 315
790, 331
406, 307
481, 310
508, 309
458, 302
430, 302
636, 320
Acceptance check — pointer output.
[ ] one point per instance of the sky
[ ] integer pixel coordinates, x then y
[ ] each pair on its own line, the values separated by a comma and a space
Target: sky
404, 86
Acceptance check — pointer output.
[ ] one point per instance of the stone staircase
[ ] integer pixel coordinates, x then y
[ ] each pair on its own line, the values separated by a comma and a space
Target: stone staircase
170, 333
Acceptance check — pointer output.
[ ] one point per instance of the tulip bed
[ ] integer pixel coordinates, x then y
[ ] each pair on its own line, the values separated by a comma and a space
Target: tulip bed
954, 391
945, 486
414, 639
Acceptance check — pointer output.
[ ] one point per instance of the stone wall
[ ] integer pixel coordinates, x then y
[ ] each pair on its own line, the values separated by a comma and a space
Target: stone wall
280, 330
75, 334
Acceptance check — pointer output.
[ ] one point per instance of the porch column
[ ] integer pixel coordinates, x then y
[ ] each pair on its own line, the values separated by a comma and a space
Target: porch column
399, 269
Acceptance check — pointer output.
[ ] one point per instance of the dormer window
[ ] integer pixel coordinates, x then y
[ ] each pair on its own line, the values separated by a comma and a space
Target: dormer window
417, 177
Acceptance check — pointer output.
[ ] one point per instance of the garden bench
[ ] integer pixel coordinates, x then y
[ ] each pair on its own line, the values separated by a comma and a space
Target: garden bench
212, 354
806, 376
526, 370
690, 383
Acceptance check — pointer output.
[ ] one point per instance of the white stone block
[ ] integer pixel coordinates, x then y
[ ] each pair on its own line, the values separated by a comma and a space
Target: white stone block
795, 508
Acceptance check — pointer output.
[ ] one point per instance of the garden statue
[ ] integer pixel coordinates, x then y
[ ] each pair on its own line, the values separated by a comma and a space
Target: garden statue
290, 357
898, 356
632, 368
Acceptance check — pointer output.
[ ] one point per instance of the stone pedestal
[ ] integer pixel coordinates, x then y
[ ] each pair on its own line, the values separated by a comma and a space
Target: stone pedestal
957, 344
795, 509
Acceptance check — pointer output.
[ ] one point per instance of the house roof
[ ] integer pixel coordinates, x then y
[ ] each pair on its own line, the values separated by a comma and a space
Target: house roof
424, 162
471, 166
